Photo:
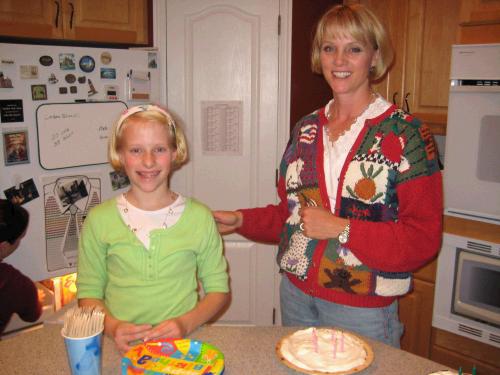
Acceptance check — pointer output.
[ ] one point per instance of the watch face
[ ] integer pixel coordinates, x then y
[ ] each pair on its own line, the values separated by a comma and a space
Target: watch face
342, 238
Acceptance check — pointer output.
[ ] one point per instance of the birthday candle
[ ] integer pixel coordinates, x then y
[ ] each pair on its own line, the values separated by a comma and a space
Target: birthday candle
474, 370
315, 340
460, 371
334, 341
342, 341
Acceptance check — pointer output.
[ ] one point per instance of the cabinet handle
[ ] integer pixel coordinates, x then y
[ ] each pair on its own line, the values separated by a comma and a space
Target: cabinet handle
56, 21
407, 106
71, 16
394, 96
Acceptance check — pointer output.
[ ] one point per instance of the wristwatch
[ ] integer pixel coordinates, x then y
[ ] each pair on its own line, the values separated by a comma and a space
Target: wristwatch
344, 235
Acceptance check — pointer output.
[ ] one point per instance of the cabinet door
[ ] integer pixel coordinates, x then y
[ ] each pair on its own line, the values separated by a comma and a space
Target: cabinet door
479, 21
432, 29
116, 21
31, 18
415, 312
392, 13
480, 11
457, 351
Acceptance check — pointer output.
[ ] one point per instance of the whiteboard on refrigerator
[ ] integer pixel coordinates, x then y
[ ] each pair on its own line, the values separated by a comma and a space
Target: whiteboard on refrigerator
75, 134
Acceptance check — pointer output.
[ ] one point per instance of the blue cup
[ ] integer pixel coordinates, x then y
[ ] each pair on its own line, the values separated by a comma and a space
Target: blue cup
84, 354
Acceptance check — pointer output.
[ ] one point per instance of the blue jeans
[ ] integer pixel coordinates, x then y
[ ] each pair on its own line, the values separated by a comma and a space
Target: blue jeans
299, 309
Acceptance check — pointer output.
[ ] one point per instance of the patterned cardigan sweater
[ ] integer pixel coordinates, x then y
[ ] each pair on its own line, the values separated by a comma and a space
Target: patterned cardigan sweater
390, 188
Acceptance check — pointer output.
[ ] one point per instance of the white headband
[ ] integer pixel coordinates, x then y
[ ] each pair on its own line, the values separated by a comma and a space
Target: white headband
144, 108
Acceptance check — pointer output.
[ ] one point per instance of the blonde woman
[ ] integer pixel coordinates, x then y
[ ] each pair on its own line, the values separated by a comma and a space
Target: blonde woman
360, 192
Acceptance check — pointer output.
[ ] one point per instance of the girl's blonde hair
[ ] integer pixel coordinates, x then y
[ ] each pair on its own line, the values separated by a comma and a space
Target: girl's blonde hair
360, 23
147, 112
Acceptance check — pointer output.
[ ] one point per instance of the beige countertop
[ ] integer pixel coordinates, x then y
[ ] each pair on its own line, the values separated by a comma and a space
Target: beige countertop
247, 350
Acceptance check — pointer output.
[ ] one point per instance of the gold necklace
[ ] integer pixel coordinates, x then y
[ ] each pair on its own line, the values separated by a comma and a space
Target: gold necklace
333, 137
135, 228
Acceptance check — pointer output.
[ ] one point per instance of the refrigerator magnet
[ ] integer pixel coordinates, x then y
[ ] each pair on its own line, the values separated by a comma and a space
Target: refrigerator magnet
39, 92
6, 60
53, 79
5, 82
15, 147
67, 61
46, 60
108, 73
152, 60
82, 79
138, 85
111, 92
118, 180
11, 110
70, 78
73, 89
92, 91
63, 90
106, 58
26, 192
87, 64
29, 71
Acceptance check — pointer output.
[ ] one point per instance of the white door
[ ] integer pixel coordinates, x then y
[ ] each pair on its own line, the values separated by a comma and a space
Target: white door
222, 83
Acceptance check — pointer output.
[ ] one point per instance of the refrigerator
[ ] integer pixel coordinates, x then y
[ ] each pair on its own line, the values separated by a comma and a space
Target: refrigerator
57, 107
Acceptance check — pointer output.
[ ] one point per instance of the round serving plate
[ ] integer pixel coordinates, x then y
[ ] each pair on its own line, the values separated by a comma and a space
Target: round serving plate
367, 348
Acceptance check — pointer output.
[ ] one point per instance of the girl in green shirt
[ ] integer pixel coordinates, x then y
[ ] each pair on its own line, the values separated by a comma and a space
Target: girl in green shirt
142, 254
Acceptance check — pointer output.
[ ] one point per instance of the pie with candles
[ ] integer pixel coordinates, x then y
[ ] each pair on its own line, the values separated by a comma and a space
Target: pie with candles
324, 351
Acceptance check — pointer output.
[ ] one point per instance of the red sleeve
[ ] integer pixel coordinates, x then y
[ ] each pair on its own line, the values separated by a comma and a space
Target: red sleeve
414, 239
25, 298
18, 294
264, 224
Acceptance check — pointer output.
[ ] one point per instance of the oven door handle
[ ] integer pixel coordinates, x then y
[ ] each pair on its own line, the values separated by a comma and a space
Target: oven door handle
474, 89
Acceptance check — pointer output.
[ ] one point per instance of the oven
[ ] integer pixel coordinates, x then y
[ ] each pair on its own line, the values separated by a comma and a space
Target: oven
472, 149
467, 295
467, 290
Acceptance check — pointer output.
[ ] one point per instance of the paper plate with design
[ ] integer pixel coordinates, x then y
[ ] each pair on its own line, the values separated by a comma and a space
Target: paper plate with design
173, 357
324, 351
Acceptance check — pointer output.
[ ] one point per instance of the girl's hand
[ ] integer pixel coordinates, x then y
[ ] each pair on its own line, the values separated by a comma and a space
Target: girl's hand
125, 333
321, 224
228, 221
172, 328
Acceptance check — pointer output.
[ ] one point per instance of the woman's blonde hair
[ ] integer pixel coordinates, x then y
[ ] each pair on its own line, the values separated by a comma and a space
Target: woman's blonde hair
360, 23
147, 112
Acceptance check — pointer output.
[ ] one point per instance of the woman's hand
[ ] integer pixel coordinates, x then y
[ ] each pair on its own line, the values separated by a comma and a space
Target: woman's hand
228, 221
125, 333
321, 224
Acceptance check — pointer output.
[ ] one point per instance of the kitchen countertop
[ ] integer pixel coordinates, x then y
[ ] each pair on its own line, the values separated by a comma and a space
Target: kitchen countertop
247, 350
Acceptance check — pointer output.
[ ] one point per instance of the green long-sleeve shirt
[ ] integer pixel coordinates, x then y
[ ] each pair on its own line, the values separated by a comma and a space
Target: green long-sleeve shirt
142, 285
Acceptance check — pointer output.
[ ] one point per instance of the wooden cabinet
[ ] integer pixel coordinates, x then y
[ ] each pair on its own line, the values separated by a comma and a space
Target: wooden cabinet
415, 312
110, 21
479, 21
457, 351
422, 32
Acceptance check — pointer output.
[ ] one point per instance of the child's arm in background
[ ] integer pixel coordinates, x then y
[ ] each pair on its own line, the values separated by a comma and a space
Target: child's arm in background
122, 332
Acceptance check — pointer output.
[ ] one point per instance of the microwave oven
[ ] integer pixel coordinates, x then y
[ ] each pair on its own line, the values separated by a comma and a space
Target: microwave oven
467, 294
472, 150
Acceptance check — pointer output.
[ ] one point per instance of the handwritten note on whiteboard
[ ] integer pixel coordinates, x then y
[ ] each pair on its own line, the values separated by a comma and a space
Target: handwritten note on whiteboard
75, 134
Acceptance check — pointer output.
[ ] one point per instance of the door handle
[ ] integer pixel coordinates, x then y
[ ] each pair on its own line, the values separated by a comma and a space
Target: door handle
394, 96
406, 105
56, 20
71, 15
